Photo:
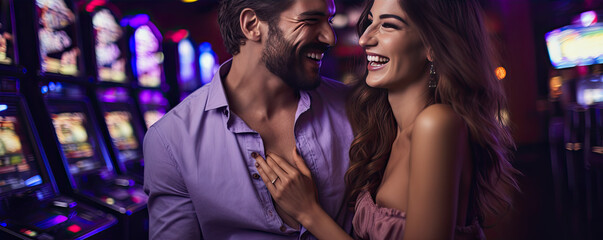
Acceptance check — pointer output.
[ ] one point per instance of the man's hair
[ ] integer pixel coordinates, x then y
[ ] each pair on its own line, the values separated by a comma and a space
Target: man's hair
230, 11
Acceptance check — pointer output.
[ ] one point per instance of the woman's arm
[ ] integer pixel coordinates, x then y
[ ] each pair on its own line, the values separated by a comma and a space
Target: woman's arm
294, 191
439, 147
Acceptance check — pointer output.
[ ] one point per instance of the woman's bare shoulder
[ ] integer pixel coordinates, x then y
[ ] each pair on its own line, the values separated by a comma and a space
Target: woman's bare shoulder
439, 118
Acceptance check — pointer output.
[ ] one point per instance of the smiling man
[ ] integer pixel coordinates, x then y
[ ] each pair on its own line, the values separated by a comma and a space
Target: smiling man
269, 98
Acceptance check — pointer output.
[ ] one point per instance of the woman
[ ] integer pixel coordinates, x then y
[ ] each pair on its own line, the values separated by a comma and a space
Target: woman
430, 156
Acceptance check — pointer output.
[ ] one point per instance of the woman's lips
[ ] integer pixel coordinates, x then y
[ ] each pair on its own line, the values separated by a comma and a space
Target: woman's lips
376, 62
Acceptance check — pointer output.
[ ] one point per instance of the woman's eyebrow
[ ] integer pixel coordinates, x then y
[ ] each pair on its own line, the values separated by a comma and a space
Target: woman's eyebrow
382, 16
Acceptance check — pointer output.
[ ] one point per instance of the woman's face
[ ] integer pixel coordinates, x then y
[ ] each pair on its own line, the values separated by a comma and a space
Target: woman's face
395, 53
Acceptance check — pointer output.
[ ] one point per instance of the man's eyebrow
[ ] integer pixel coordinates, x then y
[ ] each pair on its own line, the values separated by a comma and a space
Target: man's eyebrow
313, 13
382, 16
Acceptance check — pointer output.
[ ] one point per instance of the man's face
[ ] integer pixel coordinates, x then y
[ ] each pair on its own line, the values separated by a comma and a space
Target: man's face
297, 42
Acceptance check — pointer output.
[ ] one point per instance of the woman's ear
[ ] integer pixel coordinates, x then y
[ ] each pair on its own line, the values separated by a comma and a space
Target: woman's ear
250, 24
429, 54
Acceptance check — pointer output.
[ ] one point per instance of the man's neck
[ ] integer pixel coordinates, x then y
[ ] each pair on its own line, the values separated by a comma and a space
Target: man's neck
252, 90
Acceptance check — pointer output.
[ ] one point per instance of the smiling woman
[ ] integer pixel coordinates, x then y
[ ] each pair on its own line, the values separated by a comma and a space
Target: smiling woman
431, 154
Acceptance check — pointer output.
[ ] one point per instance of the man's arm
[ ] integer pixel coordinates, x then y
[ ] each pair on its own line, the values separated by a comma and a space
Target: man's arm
171, 211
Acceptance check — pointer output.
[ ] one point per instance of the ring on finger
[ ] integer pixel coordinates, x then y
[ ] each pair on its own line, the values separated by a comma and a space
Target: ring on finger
273, 181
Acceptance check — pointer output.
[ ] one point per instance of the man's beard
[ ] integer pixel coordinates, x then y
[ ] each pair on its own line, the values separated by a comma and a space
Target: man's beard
282, 60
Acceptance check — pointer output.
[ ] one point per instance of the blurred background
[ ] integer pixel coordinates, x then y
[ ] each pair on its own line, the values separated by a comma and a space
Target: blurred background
82, 80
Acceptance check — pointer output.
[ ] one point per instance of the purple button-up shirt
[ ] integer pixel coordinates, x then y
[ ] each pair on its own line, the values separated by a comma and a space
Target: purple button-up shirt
202, 181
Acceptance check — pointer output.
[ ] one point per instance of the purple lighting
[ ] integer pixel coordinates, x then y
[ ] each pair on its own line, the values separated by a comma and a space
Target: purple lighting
53, 221
187, 61
145, 96
207, 62
152, 97
138, 20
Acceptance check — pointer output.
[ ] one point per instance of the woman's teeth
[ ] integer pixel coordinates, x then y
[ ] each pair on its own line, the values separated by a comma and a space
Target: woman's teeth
377, 60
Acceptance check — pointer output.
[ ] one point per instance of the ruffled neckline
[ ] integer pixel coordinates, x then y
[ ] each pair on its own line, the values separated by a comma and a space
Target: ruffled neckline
365, 196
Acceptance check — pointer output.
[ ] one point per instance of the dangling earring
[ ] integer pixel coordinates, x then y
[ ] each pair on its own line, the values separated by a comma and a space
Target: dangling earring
433, 80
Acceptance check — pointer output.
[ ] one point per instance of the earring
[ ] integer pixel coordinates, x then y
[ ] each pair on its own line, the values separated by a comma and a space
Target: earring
433, 80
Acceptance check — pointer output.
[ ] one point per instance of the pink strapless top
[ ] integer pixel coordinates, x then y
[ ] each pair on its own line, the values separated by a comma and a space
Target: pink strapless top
375, 222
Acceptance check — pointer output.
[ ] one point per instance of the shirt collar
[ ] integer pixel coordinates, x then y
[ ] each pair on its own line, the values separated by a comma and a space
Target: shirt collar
216, 98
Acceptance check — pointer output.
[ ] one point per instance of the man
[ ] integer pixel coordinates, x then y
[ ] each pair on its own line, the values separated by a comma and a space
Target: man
200, 176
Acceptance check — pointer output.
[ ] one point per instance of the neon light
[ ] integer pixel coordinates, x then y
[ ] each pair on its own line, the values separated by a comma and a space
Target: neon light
145, 96
588, 18
124, 22
207, 62
29, 232
33, 181
187, 61
189, 1
74, 228
138, 20
93, 4
52, 221
3, 107
178, 35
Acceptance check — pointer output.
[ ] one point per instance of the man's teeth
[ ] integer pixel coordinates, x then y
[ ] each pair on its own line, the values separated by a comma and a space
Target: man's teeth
315, 56
377, 59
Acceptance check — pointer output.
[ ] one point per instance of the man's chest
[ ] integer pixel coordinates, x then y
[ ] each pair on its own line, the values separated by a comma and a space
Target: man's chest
278, 136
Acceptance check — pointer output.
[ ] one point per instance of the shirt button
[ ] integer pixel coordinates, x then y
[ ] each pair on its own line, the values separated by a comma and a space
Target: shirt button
283, 228
255, 176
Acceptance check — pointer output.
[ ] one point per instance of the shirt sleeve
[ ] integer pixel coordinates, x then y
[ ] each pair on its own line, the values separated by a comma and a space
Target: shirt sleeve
171, 211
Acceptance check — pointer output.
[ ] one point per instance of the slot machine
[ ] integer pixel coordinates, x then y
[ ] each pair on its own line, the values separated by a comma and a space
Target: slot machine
69, 109
31, 206
8, 57
576, 88
183, 70
114, 91
92, 175
147, 67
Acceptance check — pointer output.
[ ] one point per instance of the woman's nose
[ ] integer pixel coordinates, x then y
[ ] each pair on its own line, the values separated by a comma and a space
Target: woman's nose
367, 39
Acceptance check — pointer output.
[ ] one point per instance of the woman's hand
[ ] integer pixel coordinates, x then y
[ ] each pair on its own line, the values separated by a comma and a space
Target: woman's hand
292, 188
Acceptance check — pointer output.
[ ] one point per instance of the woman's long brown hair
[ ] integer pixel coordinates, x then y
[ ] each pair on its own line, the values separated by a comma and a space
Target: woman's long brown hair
462, 56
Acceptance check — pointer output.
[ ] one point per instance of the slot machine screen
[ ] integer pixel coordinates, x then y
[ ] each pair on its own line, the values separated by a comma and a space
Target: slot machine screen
123, 135
148, 57
78, 144
575, 45
18, 165
110, 57
7, 52
153, 106
59, 52
152, 116
188, 77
